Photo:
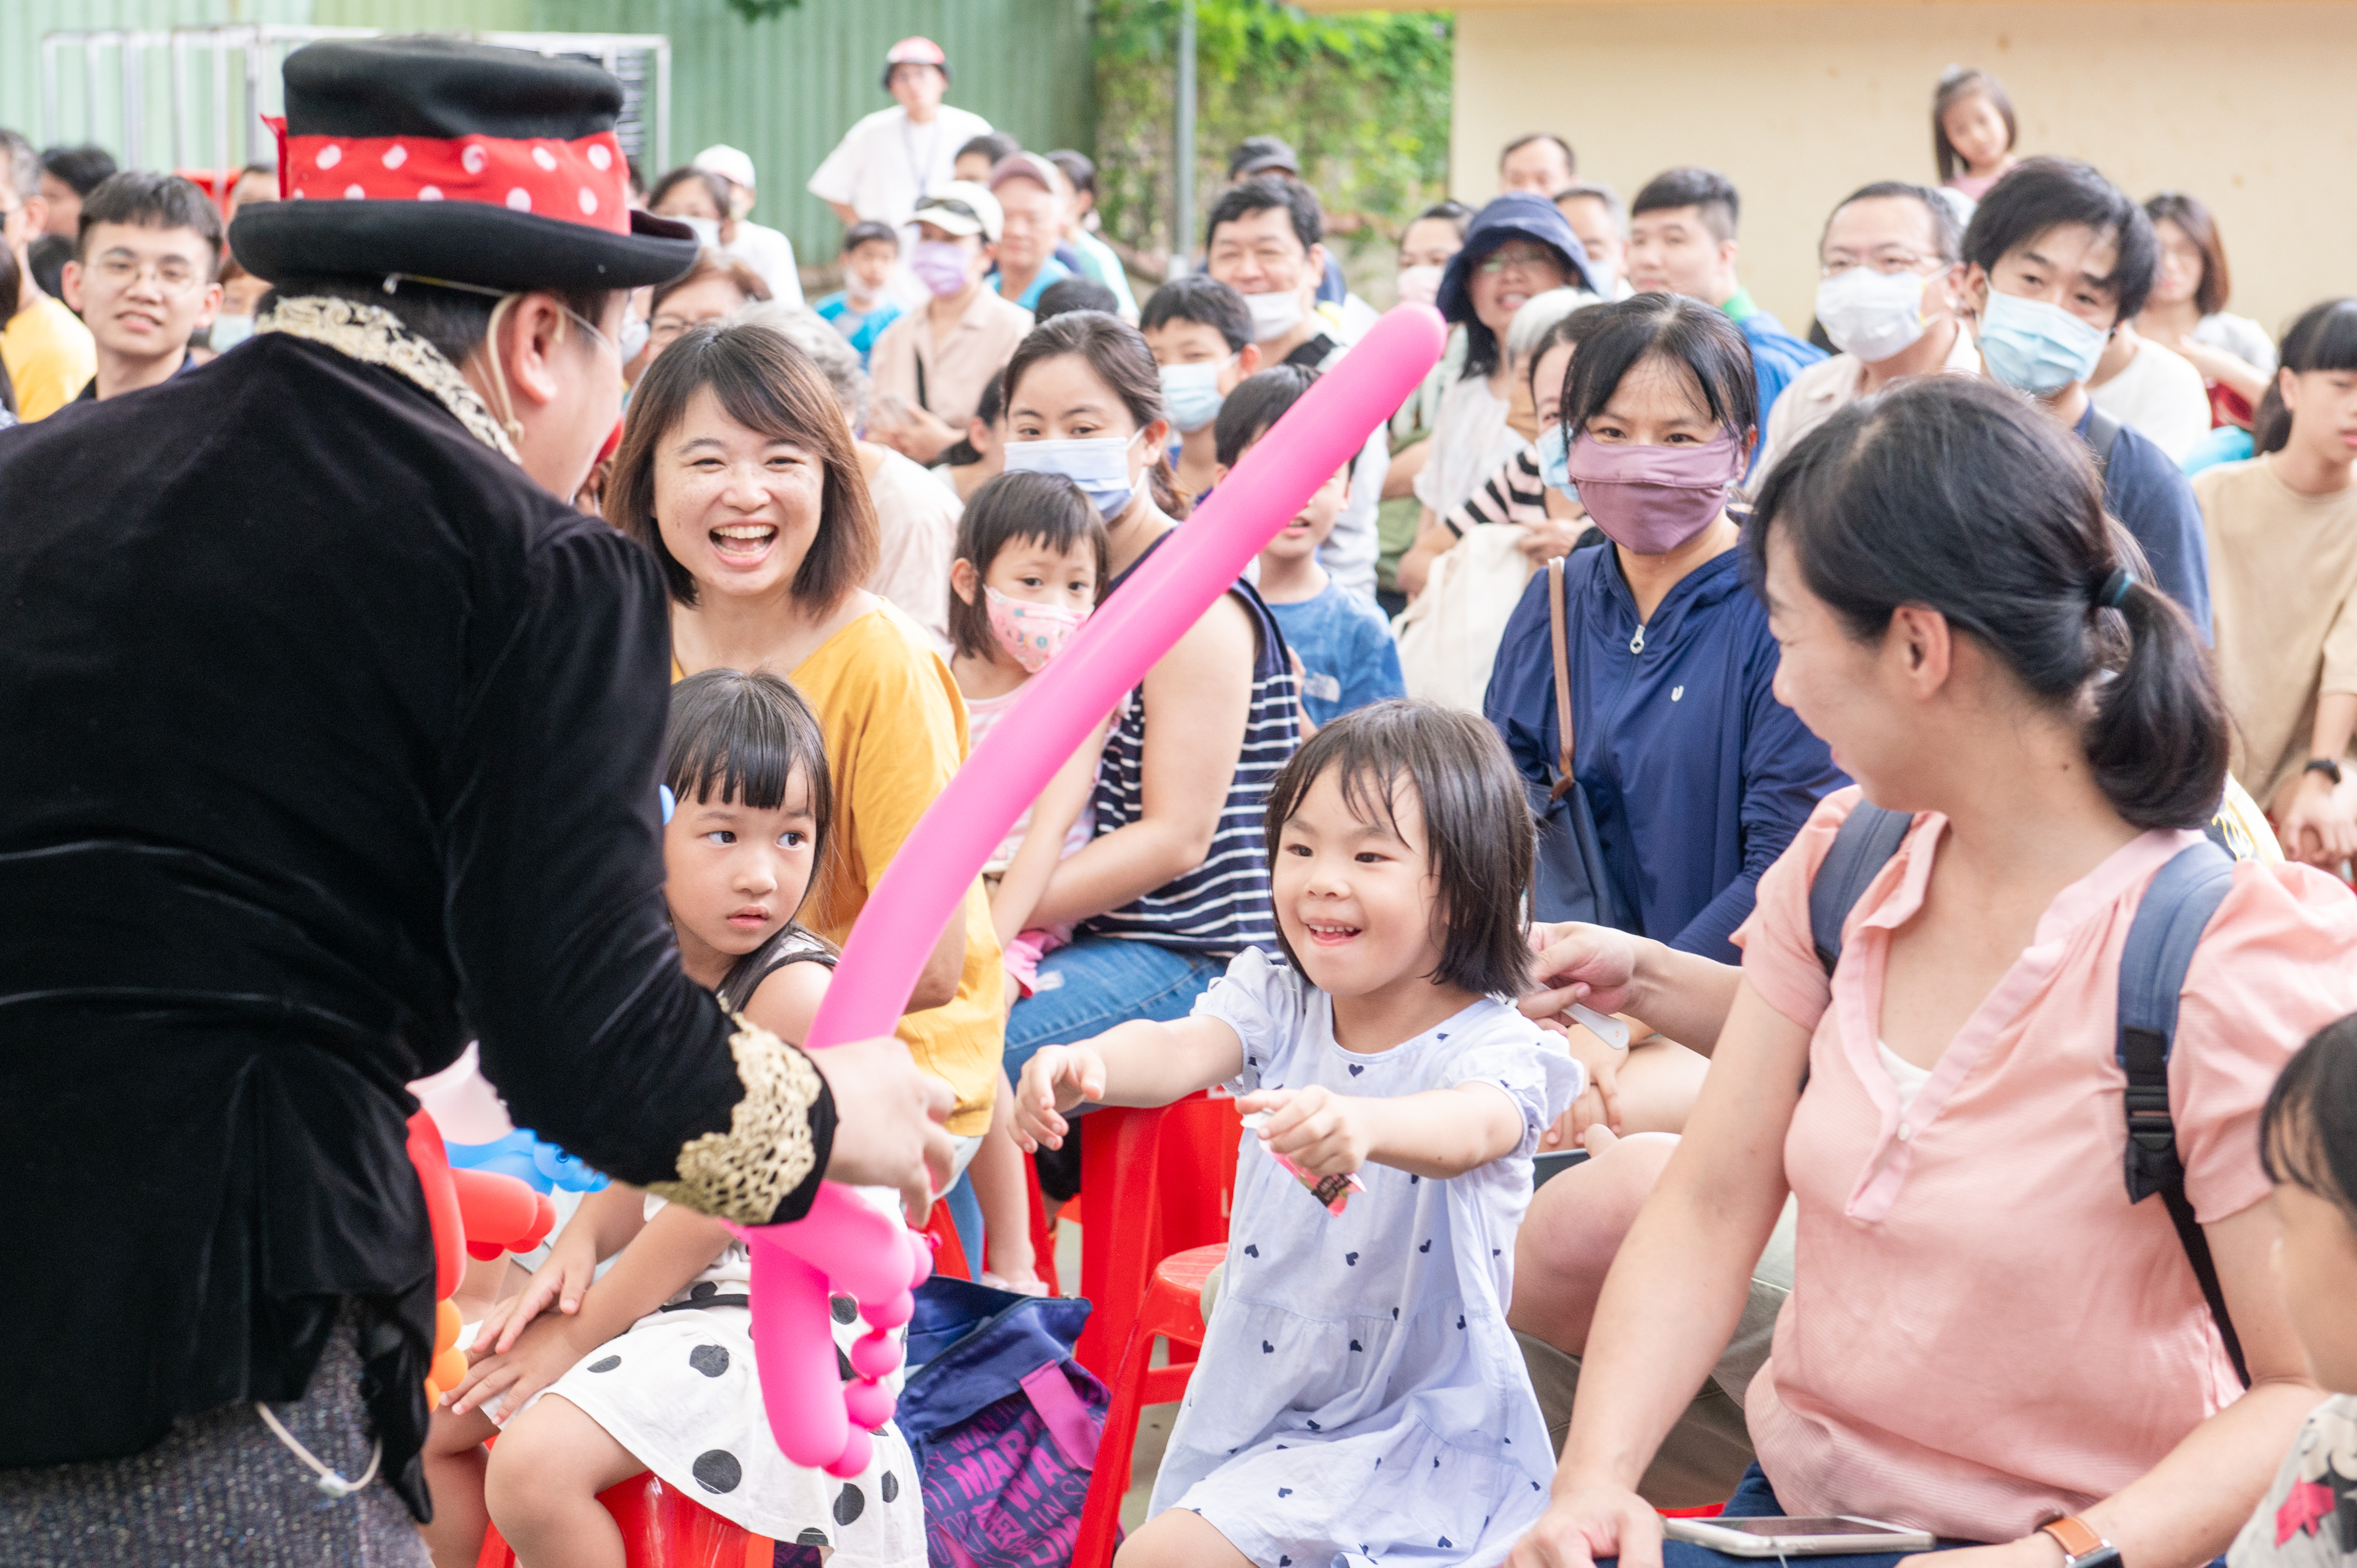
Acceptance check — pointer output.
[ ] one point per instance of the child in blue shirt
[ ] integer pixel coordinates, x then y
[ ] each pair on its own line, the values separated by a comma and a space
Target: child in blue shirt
1343, 647
864, 305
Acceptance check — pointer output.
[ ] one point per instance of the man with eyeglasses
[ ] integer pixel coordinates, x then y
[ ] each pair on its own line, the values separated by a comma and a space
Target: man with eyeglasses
1889, 269
144, 277
46, 352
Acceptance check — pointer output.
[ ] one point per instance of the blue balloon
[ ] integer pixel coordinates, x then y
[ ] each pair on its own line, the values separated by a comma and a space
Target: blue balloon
541, 1166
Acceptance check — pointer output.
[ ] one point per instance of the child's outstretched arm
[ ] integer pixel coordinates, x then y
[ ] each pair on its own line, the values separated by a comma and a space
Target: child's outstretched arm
1439, 1133
1052, 816
1138, 1063
602, 1226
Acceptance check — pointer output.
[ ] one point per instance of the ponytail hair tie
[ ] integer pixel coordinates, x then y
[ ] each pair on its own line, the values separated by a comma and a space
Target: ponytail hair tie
2112, 590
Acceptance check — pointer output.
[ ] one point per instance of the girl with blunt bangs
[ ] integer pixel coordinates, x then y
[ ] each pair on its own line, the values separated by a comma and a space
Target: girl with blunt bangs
738, 471
1972, 634
1360, 1397
1174, 884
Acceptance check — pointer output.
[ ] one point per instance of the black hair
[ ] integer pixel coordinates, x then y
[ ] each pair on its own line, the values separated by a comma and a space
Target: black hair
1260, 193
1039, 507
991, 144
1067, 295
1079, 169
630, 169
1954, 493
1712, 195
2308, 1133
1957, 83
741, 737
1947, 234
1259, 400
1117, 355
2041, 194
714, 187
1477, 836
1575, 329
2323, 337
84, 168
455, 321
1595, 190
2192, 214
1454, 212
1690, 335
1200, 297
870, 233
151, 201
11, 291
1570, 158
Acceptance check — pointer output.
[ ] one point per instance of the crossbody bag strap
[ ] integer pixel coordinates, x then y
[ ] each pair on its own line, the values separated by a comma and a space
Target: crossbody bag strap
1564, 741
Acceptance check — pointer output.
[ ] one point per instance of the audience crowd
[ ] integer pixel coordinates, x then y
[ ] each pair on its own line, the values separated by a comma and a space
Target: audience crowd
2048, 550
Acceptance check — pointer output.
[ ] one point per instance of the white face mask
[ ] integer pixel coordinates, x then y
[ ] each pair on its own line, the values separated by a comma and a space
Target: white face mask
1274, 315
707, 231
1871, 315
1098, 464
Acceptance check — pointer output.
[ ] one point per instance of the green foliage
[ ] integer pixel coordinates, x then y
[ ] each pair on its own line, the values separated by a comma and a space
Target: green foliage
1362, 96
763, 10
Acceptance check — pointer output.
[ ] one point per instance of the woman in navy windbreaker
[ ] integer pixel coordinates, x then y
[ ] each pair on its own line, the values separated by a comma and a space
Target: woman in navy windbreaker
1698, 775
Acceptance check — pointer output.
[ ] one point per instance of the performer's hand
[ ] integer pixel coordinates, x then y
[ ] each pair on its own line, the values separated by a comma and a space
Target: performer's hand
498, 1384
1056, 1079
888, 1116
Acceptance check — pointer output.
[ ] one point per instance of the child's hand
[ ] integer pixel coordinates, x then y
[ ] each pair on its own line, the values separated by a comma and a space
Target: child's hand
1323, 1133
1599, 1103
1054, 1080
545, 1350
558, 1283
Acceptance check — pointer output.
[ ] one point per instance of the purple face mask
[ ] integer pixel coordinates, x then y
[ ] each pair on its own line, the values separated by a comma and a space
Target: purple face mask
1650, 499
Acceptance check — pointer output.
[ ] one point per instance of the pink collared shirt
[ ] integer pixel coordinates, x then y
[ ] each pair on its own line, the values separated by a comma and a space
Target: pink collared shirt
1983, 1332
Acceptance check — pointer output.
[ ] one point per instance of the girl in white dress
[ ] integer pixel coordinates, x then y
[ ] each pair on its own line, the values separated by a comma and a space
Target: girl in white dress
651, 1363
1359, 1398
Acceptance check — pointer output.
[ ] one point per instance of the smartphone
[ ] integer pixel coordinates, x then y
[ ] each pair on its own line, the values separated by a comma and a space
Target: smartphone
1818, 1536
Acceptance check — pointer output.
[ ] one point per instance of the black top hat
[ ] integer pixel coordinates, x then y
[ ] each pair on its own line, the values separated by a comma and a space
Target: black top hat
456, 163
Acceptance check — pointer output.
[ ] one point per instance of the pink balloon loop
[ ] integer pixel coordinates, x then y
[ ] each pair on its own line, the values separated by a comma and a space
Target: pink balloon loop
843, 1244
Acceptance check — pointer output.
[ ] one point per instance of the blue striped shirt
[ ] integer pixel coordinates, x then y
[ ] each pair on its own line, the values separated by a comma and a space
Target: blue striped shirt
1222, 907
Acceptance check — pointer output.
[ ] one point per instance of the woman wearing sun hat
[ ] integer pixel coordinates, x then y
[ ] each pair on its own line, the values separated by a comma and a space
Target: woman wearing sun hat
333, 742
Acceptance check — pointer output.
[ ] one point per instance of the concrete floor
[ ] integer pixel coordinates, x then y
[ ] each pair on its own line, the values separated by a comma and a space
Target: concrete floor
1154, 1420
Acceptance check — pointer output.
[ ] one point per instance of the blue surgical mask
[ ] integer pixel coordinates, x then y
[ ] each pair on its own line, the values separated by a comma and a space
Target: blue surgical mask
1192, 395
1098, 464
2035, 347
1555, 464
229, 332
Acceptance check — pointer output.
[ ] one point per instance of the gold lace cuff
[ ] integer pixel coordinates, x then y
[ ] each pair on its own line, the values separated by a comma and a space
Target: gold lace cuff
744, 1173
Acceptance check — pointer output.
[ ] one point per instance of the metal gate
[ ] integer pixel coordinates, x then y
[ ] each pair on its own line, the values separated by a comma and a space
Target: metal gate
224, 78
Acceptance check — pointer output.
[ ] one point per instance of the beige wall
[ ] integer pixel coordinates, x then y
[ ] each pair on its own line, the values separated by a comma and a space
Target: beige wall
2250, 107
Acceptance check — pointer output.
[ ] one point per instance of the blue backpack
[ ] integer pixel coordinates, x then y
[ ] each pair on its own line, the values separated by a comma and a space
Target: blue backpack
2167, 926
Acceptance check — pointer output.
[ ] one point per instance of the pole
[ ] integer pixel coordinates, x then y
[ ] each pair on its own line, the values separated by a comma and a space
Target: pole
1182, 149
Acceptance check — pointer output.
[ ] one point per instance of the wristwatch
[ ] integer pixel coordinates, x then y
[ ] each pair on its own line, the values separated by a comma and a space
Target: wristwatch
2082, 1547
2329, 766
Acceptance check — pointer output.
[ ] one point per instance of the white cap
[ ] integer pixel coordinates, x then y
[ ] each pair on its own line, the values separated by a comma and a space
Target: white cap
729, 164
961, 206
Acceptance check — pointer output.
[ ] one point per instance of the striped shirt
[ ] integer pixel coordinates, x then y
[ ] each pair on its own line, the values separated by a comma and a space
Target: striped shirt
1512, 493
1223, 906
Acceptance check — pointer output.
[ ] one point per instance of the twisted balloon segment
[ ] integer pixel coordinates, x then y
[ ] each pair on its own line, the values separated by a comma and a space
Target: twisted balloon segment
844, 1244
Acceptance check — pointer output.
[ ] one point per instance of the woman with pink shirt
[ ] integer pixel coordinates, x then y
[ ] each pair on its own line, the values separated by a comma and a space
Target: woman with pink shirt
1985, 1336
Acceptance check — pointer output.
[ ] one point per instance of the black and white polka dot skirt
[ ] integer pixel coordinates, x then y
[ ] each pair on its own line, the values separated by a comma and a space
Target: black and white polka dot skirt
680, 1392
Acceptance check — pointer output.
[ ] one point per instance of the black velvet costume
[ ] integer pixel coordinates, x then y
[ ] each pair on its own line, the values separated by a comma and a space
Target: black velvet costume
328, 741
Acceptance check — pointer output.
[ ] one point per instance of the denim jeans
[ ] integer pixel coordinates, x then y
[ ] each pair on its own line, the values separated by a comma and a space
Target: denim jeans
1098, 981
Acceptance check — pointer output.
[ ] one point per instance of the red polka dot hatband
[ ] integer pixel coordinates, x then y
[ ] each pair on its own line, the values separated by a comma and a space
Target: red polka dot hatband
439, 159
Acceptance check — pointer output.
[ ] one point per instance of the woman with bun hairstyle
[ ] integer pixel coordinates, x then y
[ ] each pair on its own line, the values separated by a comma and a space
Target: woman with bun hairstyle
1984, 1339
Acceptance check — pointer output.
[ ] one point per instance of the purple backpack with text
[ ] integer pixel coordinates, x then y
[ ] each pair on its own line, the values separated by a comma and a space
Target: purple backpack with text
1004, 1424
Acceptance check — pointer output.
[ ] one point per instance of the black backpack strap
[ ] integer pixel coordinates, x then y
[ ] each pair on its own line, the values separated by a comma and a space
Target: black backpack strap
2169, 924
2103, 434
1862, 846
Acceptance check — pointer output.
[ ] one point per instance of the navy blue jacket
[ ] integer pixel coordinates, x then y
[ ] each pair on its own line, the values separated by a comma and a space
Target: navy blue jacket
2153, 498
1697, 775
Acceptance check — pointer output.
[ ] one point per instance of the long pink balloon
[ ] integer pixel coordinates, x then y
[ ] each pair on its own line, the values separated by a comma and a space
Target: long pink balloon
926, 883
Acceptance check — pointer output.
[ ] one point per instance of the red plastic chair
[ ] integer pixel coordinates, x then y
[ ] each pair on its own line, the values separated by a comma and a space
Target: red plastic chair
1043, 1230
1173, 1311
949, 1252
1152, 1182
661, 1528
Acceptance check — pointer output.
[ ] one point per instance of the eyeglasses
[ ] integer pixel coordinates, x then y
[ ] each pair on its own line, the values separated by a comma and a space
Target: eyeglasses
1529, 261
1890, 264
173, 273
